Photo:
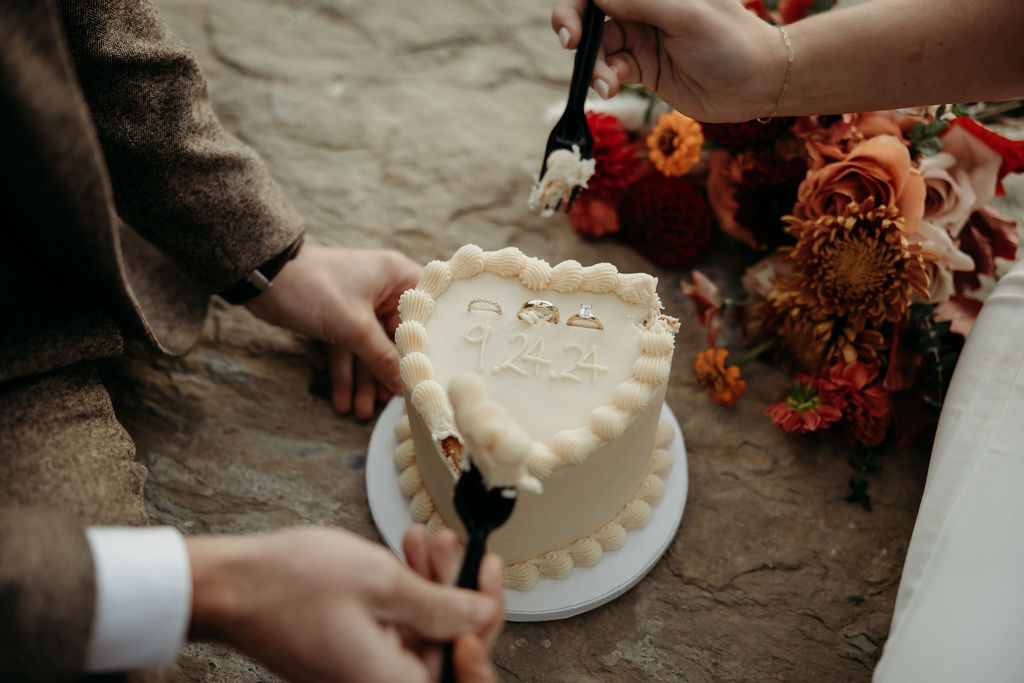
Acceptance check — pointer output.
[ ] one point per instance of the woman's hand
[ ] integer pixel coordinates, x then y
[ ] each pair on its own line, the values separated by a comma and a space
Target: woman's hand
348, 299
710, 59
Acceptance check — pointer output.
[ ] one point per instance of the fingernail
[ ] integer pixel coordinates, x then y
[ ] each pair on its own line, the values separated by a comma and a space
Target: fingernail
601, 87
563, 37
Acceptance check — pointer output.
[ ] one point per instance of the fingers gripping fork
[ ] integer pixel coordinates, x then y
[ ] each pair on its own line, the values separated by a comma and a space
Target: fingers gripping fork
572, 130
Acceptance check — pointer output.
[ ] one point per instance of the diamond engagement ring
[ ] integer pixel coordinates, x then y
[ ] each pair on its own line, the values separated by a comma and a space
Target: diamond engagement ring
538, 310
585, 318
485, 304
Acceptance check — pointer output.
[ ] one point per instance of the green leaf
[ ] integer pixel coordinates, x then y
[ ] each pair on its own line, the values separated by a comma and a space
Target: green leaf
821, 6
929, 146
859, 493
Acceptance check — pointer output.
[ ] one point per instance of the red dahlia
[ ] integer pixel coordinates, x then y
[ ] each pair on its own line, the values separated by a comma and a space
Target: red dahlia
615, 154
856, 388
668, 220
736, 137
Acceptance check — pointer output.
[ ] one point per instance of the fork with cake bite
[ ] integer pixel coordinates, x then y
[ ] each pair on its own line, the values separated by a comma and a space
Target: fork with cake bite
571, 132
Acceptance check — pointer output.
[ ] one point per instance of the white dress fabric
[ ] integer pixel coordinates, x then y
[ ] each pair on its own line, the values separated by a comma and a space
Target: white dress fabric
959, 612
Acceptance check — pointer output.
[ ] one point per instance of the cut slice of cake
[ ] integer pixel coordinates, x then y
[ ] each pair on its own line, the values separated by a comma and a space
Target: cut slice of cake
579, 358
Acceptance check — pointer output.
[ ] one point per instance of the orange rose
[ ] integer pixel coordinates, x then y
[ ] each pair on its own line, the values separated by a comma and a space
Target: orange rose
724, 173
877, 168
745, 191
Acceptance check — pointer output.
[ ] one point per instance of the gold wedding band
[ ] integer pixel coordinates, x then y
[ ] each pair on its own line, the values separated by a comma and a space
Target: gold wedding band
585, 318
541, 311
485, 304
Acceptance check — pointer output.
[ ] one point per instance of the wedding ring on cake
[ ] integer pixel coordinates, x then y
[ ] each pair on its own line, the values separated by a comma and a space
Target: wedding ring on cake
585, 318
538, 310
485, 304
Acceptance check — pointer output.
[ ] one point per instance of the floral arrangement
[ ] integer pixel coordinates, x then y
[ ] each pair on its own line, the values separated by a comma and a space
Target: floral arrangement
870, 239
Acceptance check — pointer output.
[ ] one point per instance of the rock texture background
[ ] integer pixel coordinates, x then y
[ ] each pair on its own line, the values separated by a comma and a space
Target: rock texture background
418, 126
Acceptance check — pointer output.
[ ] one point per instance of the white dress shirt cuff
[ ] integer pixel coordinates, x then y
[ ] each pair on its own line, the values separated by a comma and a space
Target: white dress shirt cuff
143, 597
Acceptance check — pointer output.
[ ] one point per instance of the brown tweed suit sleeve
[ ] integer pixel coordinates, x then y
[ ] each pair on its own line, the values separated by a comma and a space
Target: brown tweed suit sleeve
44, 625
201, 196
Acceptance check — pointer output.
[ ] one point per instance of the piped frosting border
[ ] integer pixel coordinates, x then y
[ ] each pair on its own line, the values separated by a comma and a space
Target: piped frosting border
558, 563
606, 423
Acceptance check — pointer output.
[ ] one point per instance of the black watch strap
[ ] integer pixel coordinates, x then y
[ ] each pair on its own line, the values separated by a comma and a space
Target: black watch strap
261, 279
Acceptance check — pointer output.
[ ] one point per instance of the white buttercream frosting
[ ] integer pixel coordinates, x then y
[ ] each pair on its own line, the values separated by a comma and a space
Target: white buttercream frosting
586, 550
415, 304
497, 446
414, 368
410, 482
564, 170
569, 392
405, 454
410, 337
436, 277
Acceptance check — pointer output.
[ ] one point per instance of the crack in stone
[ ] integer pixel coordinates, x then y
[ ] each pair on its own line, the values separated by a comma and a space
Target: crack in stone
232, 64
507, 670
498, 203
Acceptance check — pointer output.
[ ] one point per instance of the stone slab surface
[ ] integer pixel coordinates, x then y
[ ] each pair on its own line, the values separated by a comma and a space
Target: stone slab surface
418, 126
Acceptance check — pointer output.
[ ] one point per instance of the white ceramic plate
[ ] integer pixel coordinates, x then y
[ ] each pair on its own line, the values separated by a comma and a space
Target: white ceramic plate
586, 587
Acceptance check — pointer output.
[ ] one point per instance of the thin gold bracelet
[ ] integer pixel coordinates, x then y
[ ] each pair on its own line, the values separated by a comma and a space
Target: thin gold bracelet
785, 80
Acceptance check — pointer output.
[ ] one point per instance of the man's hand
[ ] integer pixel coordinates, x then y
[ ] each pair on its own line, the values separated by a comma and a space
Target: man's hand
348, 299
317, 604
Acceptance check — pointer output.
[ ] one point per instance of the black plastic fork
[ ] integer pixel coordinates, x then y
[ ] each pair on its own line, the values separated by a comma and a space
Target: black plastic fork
572, 129
482, 510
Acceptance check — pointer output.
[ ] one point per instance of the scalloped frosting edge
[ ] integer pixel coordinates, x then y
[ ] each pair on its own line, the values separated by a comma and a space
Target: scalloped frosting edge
558, 563
607, 423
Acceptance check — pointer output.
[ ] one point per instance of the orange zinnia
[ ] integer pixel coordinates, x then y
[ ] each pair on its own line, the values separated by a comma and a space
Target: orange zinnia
675, 144
722, 383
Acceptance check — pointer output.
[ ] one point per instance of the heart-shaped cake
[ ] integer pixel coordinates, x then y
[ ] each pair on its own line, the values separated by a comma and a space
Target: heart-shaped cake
578, 357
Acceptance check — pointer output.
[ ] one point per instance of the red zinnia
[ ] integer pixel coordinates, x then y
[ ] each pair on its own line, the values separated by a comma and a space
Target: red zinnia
592, 216
795, 10
856, 388
615, 155
759, 8
1012, 151
803, 410
668, 220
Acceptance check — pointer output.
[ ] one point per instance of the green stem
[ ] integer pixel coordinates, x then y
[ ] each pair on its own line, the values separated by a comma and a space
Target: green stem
755, 352
737, 303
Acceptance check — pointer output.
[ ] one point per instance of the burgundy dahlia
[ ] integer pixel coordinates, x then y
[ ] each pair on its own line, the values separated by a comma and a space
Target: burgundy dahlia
668, 220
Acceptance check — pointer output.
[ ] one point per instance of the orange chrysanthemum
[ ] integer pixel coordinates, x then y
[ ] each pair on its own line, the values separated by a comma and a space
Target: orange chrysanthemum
675, 144
722, 383
857, 265
808, 340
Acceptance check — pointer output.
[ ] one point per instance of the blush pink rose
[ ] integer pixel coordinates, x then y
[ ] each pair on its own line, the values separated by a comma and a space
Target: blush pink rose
764, 276
948, 258
878, 169
949, 197
973, 178
708, 300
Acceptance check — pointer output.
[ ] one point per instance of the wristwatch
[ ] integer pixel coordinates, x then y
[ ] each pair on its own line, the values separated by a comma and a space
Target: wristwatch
261, 279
